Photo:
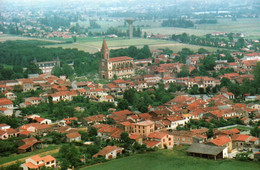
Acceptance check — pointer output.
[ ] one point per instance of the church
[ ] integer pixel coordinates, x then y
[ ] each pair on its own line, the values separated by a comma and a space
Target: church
117, 67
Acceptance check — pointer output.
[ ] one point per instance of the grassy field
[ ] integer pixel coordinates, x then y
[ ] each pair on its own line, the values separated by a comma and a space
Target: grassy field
6, 37
94, 44
172, 159
52, 149
248, 26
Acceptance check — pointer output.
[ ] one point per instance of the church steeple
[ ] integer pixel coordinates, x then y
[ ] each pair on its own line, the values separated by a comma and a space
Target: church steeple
104, 50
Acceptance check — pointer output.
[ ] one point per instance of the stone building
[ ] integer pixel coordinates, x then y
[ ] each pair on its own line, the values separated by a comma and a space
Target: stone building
47, 66
117, 67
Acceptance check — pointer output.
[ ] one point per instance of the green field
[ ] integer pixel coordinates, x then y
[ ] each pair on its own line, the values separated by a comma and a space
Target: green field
172, 159
94, 44
248, 26
14, 157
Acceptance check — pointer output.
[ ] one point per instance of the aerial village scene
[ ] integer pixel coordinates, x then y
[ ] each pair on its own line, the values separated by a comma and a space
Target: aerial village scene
129, 84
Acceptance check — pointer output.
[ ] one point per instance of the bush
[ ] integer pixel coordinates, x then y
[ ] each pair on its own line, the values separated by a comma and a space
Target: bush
242, 156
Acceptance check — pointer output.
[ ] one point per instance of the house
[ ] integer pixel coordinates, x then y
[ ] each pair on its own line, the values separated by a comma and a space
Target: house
37, 162
222, 141
6, 107
4, 126
74, 136
229, 95
160, 139
108, 132
207, 151
3, 135
67, 121
27, 84
182, 137
28, 144
177, 120
241, 141
35, 128
143, 128
9, 95
94, 119
109, 152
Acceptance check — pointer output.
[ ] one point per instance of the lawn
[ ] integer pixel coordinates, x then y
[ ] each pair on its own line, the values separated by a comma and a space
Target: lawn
42, 152
171, 159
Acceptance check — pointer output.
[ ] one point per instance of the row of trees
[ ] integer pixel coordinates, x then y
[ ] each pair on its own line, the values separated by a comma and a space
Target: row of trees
208, 41
207, 21
177, 23
132, 51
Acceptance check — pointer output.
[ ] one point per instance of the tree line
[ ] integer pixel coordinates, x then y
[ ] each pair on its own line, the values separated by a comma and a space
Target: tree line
208, 41
182, 23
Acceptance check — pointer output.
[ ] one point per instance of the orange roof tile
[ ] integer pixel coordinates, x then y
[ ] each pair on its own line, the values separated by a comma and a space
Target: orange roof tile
123, 58
73, 135
220, 141
151, 143
157, 135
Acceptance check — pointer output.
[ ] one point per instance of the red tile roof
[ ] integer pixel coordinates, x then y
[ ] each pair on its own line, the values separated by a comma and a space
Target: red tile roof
151, 143
105, 151
220, 141
5, 101
73, 135
123, 58
157, 135
241, 138
122, 113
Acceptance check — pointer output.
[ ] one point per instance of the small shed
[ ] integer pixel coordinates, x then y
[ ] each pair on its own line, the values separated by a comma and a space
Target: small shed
207, 151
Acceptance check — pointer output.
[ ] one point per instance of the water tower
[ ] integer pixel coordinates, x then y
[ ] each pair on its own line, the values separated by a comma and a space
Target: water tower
130, 23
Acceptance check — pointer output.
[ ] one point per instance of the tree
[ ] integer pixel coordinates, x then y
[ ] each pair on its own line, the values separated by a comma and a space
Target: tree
74, 38
124, 137
256, 73
67, 70
70, 153
56, 71
202, 51
184, 71
146, 51
210, 133
194, 89
255, 131
33, 69
92, 131
145, 35
208, 63
50, 100
122, 104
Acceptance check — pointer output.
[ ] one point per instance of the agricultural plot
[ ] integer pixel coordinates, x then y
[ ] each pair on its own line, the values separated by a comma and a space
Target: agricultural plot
248, 26
7, 37
94, 44
171, 159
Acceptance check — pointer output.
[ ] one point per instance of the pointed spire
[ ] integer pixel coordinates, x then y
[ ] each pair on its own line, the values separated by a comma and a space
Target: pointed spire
57, 59
104, 45
34, 60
